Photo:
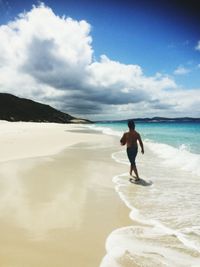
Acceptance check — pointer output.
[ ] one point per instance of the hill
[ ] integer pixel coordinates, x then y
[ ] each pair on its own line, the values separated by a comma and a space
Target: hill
13, 108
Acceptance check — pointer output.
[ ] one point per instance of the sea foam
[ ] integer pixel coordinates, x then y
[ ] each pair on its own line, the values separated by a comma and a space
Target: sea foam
171, 156
150, 242
176, 157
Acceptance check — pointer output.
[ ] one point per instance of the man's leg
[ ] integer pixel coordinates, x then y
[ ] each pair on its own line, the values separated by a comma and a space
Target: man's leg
131, 170
133, 167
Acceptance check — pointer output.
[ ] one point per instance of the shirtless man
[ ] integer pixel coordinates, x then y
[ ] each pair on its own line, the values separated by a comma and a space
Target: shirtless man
130, 139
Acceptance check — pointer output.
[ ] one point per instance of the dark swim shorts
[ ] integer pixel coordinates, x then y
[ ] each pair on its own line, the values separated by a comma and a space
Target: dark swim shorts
132, 153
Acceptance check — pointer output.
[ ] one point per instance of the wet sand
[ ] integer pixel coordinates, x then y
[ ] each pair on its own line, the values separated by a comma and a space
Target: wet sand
57, 210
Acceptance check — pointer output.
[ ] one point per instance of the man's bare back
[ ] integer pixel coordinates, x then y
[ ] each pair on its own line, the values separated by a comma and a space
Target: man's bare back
130, 138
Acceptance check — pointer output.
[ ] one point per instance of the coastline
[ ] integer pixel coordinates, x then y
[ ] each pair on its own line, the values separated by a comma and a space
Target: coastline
58, 202
69, 201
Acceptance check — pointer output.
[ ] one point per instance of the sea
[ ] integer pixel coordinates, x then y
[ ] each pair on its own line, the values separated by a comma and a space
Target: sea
165, 206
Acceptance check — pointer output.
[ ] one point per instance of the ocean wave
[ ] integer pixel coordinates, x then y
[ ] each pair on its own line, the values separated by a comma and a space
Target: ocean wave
149, 242
135, 246
176, 157
171, 156
121, 181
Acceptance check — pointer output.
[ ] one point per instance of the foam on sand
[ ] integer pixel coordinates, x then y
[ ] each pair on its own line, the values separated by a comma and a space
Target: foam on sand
148, 242
164, 215
176, 157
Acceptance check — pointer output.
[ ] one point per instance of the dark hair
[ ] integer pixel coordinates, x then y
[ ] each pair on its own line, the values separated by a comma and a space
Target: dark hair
131, 124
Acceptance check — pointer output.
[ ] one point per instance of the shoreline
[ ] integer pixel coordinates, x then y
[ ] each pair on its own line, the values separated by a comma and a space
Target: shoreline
72, 202
64, 201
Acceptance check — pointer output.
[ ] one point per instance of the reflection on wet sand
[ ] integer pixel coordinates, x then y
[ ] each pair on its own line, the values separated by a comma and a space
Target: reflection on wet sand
42, 200
52, 209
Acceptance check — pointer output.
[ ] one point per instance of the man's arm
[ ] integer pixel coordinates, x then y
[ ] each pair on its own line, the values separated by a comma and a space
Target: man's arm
141, 143
123, 140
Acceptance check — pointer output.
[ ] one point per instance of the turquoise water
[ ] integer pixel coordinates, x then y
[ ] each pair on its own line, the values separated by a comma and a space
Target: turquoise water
180, 135
165, 214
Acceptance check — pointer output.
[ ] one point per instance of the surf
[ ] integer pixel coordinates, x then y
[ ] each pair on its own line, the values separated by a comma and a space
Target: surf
164, 213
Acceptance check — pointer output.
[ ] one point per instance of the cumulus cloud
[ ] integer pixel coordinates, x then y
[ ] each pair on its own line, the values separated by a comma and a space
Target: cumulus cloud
198, 46
48, 48
50, 59
180, 70
185, 101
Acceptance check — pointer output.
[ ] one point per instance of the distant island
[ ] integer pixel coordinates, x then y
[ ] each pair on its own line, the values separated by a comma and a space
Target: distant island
156, 119
13, 108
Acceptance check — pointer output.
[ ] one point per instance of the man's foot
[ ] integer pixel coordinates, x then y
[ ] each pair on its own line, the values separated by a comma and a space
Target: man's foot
137, 179
134, 180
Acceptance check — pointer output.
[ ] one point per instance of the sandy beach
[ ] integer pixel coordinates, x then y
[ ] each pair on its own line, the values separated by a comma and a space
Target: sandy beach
66, 200
57, 200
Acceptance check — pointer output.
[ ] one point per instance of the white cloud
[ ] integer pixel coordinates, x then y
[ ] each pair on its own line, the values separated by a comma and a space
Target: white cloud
107, 73
45, 46
198, 46
186, 102
180, 70
50, 59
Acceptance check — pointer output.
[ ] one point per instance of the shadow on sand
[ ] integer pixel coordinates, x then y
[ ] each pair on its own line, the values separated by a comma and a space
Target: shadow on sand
140, 182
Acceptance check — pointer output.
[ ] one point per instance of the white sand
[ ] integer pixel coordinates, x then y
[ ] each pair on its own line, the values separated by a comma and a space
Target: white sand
56, 212
29, 139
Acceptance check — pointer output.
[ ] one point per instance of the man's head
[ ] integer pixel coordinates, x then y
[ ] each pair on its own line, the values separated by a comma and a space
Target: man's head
131, 125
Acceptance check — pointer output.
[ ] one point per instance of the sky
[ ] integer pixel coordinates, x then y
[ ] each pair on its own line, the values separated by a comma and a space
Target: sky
103, 60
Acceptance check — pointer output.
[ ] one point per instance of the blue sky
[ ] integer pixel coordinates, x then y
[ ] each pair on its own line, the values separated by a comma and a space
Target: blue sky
160, 37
